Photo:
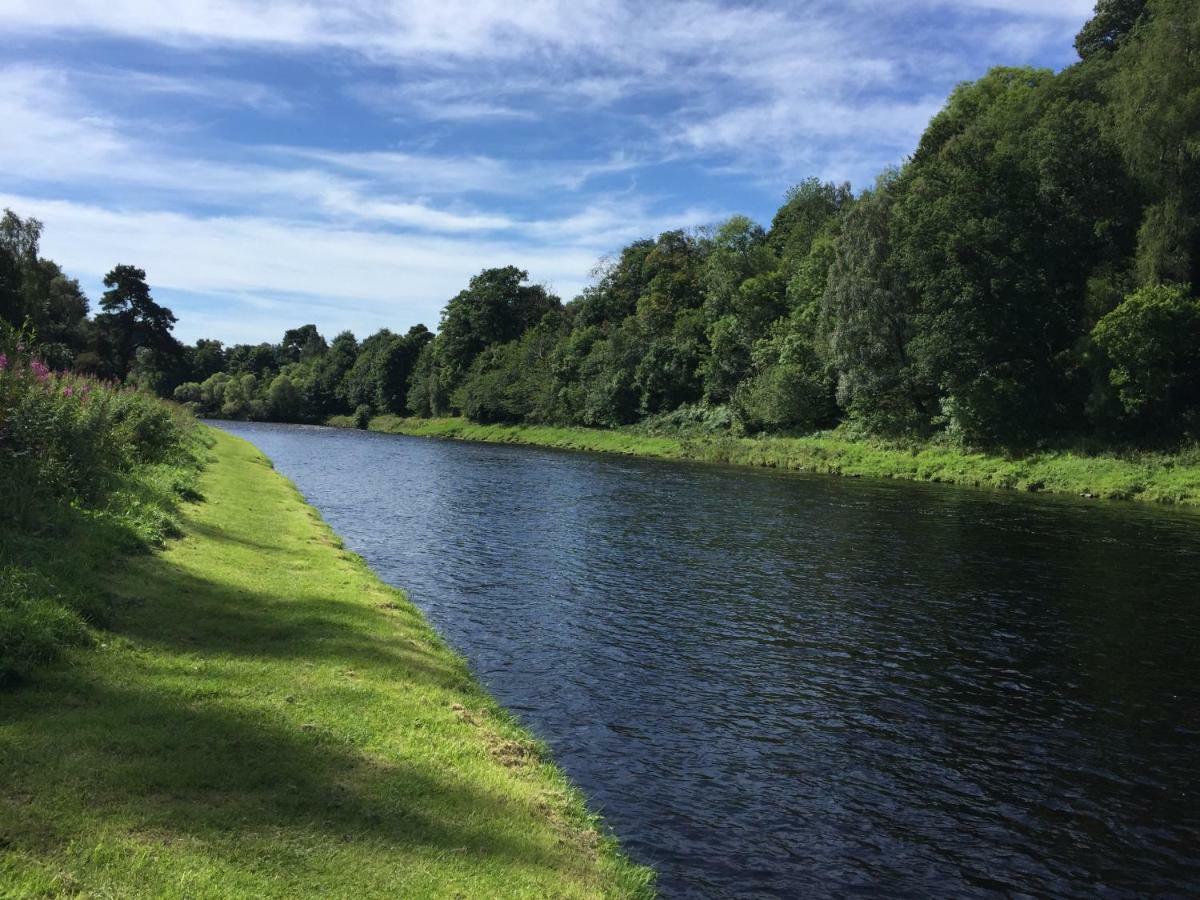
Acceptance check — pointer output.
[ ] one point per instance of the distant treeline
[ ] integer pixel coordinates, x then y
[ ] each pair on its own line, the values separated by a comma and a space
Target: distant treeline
1025, 277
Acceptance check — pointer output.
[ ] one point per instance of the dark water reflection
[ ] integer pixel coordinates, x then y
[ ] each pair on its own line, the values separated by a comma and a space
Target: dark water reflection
778, 685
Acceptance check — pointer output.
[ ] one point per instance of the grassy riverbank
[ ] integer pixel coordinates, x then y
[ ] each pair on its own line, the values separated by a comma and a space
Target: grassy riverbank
1157, 478
263, 717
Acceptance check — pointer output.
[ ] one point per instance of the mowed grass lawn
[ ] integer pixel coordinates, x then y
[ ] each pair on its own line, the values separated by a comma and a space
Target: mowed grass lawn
267, 719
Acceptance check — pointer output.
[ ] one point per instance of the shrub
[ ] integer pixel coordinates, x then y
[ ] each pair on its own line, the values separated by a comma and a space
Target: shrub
1151, 345
362, 416
86, 467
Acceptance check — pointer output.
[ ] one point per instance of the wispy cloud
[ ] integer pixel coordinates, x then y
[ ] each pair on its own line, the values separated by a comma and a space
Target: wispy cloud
367, 156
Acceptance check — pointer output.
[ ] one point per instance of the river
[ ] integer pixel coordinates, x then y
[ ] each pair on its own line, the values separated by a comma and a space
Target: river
806, 686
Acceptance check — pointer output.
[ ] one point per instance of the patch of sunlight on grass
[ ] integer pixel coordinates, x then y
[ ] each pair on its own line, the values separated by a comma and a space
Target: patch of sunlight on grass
266, 718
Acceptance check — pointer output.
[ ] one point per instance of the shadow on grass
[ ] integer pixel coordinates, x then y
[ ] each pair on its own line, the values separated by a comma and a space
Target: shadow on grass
136, 745
224, 535
210, 617
153, 763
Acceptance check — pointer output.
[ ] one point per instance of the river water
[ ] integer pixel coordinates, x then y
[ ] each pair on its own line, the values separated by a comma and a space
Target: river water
781, 685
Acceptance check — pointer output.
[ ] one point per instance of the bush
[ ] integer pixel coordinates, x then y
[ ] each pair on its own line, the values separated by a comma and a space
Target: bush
1151, 349
87, 469
362, 416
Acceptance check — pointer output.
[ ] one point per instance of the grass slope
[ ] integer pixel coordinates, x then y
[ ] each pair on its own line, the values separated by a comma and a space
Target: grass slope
265, 718
1150, 477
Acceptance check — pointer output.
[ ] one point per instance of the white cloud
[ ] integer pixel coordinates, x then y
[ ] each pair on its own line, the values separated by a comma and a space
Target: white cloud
357, 275
742, 78
767, 91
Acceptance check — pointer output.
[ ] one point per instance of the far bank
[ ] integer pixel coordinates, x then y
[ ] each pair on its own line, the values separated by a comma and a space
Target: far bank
1147, 477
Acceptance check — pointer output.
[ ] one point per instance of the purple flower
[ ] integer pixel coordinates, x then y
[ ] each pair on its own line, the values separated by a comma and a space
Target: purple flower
40, 369
3, 361
68, 391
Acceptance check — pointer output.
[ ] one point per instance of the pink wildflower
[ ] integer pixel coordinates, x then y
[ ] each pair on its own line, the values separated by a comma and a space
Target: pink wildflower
40, 369
68, 391
3, 361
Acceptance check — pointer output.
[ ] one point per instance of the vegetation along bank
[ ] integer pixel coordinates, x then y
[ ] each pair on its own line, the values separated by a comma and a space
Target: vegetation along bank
1162, 478
202, 694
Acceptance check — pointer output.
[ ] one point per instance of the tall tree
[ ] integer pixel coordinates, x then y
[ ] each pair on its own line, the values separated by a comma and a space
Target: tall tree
1109, 26
19, 239
497, 307
866, 318
1003, 219
1157, 113
132, 321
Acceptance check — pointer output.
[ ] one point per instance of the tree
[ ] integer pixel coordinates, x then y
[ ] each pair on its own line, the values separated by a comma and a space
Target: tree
254, 359
393, 369
496, 307
745, 293
207, 358
1151, 343
1110, 25
789, 387
320, 375
19, 241
57, 309
619, 285
132, 321
1157, 123
301, 344
513, 382
359, 385
1006, 212
806, 210
283, 400
11, 307
866, 319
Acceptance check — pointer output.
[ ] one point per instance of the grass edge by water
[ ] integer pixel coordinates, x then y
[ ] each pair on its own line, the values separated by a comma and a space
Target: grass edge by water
165, 761
1145, 477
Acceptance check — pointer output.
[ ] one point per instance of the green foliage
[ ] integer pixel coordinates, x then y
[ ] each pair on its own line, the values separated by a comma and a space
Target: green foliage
806, 211
1156, 120
790, 388
35, 293
1151, 343
283, 400
393, 368
865, 320
496, 307
86, 468
1001, 220
132, 322
1109, 27
513, 382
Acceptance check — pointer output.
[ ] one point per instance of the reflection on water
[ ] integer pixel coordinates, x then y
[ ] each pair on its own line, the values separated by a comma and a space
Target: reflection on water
777, 685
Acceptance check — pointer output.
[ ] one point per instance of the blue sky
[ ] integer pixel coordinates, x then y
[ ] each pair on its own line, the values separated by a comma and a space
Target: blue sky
353, 163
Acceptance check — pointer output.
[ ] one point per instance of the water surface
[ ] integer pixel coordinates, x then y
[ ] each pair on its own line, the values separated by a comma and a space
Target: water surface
779, 685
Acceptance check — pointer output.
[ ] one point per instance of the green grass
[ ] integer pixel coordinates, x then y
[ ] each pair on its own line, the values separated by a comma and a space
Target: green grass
1161, 478
262, 717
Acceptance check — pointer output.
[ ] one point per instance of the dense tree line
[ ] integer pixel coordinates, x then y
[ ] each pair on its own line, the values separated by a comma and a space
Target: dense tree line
1024, 277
